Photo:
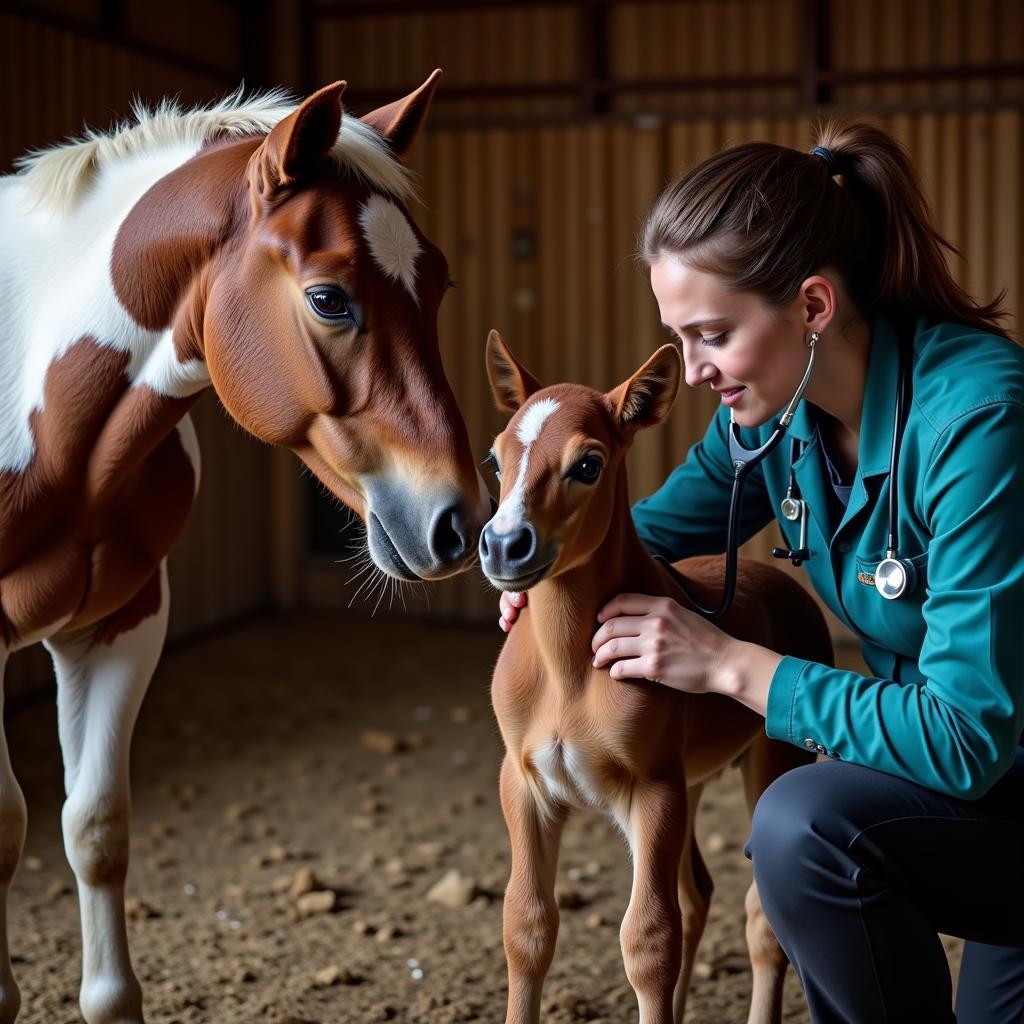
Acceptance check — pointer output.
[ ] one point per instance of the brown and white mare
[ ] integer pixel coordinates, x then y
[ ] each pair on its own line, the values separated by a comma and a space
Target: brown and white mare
261, 248
577, 738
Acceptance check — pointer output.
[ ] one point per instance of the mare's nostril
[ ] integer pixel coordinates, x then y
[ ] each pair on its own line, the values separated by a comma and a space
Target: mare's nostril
485, 543
448, 538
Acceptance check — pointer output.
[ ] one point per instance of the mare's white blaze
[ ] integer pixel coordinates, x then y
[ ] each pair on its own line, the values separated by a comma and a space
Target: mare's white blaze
512, 510
568, 775
393, 243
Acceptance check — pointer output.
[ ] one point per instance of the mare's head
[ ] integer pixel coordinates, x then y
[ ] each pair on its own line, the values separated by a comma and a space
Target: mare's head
319, 328
561, 463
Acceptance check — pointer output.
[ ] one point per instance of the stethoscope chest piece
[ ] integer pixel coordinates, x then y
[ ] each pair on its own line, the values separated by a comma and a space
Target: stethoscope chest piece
894, 577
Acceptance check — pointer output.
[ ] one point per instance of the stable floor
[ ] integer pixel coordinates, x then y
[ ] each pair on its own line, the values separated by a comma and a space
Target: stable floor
356, 759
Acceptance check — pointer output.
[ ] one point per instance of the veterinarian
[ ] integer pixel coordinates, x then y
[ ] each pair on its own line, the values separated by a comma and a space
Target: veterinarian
764, 259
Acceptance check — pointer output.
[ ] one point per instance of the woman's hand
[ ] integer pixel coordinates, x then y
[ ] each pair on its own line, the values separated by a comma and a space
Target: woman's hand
656, 639
509, 605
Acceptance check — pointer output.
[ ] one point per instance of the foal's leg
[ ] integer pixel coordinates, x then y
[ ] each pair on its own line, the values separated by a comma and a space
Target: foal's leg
530, 917
101, 680
652, 932
764, 762
695, 889
12, 838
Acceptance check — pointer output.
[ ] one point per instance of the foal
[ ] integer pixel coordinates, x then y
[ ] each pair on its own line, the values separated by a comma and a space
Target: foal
263, 249
577, 738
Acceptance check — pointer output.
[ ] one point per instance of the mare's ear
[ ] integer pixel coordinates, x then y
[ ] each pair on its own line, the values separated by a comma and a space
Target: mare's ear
399, 122
511, 383
646, 398
298, 143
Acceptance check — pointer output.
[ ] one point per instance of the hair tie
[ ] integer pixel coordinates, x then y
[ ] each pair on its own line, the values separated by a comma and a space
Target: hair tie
829, 157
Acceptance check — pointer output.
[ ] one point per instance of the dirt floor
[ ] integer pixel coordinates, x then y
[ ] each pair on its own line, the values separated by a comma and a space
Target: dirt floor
299, 786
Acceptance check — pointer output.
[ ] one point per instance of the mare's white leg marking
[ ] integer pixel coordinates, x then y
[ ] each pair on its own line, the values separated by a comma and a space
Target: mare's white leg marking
393, 243
12, 838
511, 511
99, 691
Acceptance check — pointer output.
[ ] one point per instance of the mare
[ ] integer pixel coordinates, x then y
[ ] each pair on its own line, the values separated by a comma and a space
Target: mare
574, 736
259, 247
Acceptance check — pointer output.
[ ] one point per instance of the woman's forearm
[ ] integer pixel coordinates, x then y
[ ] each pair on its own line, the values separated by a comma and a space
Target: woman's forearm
745, 674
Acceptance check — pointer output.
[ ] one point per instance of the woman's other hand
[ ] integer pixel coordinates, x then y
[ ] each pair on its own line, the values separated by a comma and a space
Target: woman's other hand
509, 605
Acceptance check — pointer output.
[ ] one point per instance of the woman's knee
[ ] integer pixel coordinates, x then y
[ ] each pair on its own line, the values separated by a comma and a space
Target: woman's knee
800, 825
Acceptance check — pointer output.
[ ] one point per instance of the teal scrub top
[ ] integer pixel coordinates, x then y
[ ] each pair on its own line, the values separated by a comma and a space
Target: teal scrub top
945, 705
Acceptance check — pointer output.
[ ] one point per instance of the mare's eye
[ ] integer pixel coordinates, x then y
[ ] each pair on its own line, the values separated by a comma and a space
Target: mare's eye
587, 470
329, 302
492, 461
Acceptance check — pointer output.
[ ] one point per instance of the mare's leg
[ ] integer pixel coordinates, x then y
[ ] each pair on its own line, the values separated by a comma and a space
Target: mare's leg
652, 931
530, 918
695, 889
13, 819
764, 762
101, 680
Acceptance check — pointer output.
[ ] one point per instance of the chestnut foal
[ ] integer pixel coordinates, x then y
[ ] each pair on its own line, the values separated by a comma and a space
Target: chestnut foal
577, 738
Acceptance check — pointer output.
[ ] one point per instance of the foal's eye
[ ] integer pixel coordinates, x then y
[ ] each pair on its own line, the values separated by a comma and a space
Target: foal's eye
492, 461
587, 470
329, 302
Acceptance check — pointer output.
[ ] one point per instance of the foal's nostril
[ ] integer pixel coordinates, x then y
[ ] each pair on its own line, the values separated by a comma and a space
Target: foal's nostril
485, 543
448, 539
521, 546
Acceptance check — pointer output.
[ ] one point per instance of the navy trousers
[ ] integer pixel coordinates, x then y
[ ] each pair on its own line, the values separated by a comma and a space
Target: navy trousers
859, 871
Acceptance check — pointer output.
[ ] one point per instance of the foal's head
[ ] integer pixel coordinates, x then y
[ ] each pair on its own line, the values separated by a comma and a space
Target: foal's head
561, 463
319, 327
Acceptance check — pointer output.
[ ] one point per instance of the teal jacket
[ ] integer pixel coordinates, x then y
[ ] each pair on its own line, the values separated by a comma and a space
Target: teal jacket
945, 704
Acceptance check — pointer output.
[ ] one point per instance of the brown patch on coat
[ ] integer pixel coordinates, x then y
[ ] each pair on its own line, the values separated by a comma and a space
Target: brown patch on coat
108, 490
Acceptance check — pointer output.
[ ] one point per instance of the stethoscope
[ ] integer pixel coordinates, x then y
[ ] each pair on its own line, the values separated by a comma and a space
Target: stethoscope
894, 576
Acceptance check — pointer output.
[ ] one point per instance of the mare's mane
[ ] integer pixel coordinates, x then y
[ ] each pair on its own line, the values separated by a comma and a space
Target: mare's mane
58, 176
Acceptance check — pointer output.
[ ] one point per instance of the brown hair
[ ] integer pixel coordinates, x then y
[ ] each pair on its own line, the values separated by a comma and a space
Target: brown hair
766, 217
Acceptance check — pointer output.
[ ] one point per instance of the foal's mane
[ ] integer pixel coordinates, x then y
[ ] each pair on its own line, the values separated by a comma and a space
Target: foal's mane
58, 176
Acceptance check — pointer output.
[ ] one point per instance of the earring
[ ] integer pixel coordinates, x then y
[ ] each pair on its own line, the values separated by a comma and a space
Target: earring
812, 339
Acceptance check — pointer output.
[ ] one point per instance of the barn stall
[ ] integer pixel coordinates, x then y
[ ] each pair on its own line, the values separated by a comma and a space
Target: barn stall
316, 755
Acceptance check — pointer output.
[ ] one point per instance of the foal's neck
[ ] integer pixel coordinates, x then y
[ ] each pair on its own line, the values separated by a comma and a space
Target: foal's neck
564, 609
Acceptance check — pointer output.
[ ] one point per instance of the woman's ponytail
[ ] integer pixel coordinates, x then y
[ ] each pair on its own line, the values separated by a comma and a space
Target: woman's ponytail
905, 251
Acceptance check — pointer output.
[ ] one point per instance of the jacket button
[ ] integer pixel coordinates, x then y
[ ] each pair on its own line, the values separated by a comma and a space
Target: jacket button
820, 749
810, 744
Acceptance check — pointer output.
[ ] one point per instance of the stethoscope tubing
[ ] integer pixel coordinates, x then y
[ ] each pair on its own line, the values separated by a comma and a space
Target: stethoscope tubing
893, 574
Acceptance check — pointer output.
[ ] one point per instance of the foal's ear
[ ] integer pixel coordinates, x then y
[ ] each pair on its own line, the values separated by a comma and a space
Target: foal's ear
298, 143
511, 383
400, 121
646, 398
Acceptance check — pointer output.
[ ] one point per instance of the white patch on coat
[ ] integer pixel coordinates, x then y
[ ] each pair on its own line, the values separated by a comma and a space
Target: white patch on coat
56, 290
512, 510
393, 243
568, 774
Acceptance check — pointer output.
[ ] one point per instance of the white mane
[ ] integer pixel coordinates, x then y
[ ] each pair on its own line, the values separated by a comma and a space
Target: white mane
56, 177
